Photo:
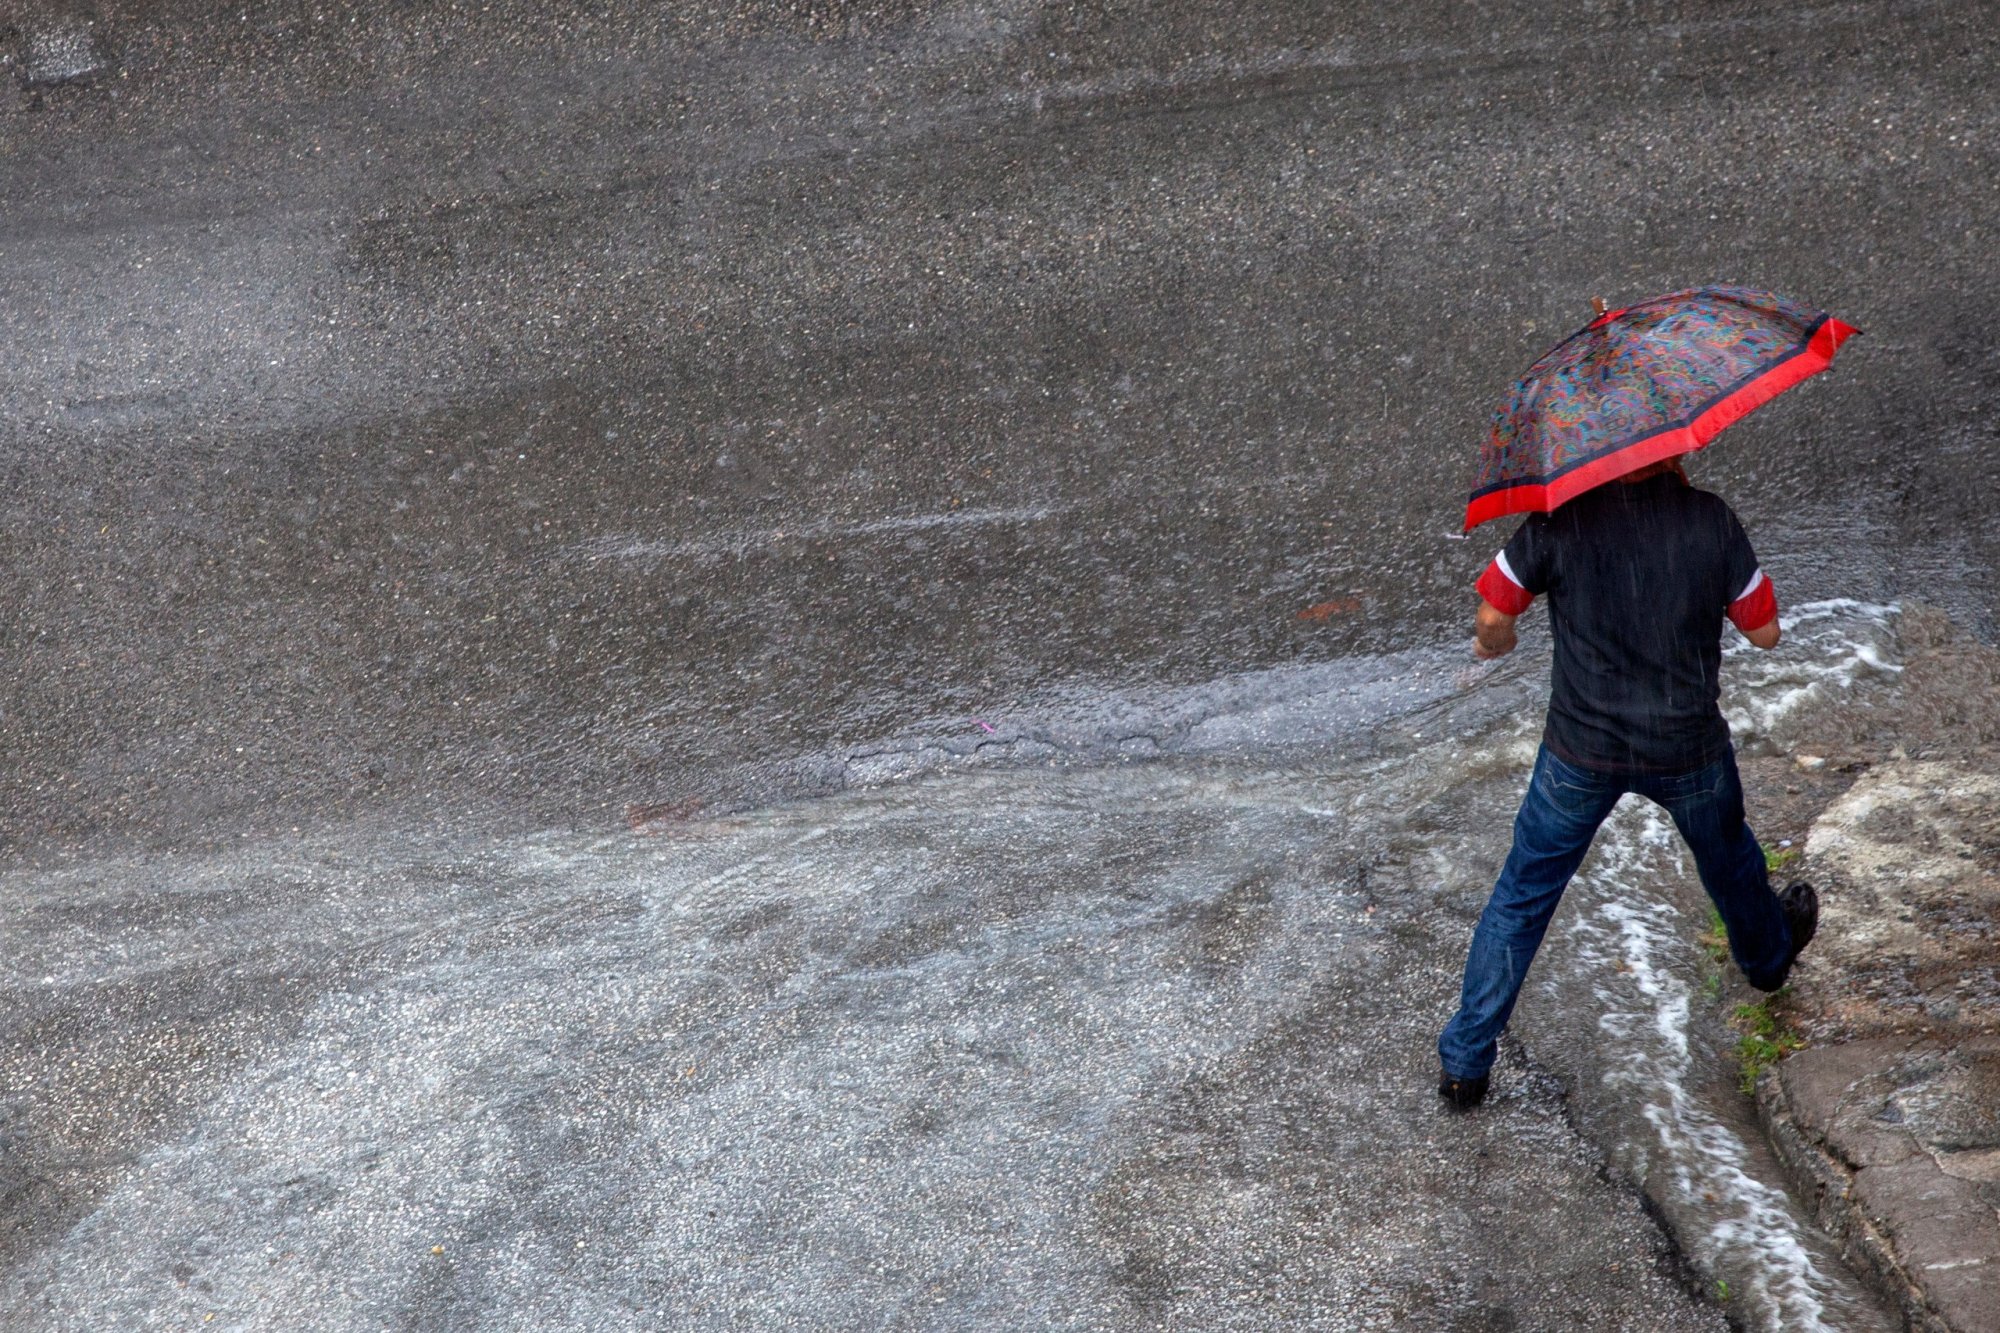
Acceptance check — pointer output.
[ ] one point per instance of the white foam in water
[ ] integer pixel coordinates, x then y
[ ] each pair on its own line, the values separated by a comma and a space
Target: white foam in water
1754, 1240
1828, 646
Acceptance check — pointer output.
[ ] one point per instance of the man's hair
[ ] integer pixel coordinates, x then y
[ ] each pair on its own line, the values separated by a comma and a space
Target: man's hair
1672, 465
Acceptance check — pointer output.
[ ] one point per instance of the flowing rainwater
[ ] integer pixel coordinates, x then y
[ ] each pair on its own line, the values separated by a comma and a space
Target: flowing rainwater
1185, 1017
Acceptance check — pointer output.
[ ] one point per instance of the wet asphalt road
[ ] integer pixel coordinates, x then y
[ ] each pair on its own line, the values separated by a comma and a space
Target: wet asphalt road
450, 425
573, 407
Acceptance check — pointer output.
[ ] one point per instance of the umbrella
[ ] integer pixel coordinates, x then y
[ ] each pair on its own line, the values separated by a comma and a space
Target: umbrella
1637, 385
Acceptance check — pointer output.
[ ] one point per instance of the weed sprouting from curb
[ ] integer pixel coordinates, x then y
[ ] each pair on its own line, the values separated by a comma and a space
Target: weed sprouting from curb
1767, 1037
1765, 1034
1715, 940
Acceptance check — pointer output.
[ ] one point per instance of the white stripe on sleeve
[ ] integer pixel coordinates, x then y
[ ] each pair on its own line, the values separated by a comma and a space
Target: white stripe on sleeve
1750, 587
1508, 570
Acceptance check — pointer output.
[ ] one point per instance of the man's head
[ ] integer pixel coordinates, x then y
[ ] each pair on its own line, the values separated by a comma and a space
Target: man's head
1672, 465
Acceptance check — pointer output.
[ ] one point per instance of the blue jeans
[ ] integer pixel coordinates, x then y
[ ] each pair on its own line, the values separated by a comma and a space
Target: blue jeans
1559, 816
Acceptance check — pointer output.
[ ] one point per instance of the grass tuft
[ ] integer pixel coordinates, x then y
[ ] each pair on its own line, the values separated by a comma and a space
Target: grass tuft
1766, 1038
1715, 940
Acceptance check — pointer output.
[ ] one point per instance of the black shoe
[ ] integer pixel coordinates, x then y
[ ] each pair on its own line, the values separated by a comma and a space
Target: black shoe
1800, 904
1462, 1093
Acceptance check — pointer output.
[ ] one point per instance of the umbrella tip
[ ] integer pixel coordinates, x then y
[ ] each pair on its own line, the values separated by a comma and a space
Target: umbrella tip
1597, 306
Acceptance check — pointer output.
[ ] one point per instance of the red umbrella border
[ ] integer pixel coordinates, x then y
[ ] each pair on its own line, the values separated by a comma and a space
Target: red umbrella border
1815, 354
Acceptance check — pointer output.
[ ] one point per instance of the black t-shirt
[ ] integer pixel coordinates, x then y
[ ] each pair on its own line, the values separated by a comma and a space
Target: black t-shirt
1639, 576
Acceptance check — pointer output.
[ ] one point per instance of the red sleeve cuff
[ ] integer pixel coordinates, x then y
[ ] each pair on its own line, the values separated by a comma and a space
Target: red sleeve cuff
1506, 596
1757, 607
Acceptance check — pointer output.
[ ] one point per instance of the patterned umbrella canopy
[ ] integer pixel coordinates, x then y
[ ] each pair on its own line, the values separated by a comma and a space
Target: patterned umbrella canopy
1644, 383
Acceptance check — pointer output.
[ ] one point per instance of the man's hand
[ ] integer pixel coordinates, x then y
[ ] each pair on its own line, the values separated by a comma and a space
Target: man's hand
1764, 636
1492, 632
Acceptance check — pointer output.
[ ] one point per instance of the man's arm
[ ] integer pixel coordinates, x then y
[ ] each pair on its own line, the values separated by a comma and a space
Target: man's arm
1493, 632
1755, 611
1502, 597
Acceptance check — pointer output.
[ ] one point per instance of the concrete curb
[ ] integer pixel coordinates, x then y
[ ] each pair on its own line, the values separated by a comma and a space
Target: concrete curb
1911, 1220
1825, 1186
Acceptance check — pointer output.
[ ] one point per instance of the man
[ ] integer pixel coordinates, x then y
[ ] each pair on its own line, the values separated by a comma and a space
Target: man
1639, 574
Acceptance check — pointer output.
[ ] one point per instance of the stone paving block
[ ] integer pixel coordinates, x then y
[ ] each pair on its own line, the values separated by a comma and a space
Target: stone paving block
1895, 1142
